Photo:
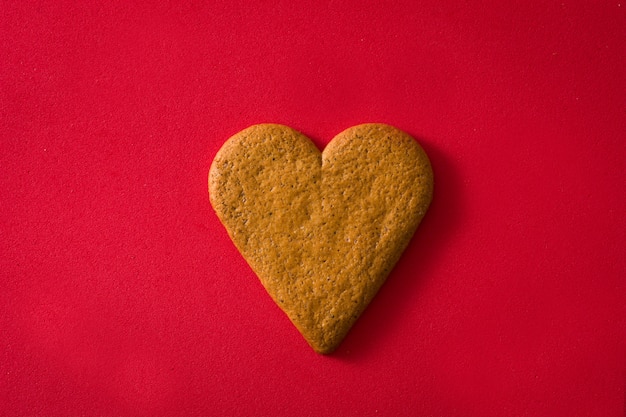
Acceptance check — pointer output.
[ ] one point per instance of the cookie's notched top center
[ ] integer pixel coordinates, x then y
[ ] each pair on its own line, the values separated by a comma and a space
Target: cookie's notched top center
321, 230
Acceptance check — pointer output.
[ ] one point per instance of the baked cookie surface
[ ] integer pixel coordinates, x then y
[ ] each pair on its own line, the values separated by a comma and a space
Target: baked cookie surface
322, 230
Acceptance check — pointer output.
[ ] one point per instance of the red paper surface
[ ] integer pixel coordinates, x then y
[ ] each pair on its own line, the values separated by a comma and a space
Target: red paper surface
121, 293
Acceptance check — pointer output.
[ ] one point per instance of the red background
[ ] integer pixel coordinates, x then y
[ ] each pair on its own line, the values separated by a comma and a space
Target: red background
121, 294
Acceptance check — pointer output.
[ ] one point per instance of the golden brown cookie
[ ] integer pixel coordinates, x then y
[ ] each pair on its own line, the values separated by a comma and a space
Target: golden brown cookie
321, 230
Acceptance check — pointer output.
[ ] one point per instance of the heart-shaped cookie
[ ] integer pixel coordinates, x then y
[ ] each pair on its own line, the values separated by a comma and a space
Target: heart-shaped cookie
322, 230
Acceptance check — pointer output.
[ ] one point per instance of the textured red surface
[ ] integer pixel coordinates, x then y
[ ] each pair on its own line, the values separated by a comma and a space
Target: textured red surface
121, 294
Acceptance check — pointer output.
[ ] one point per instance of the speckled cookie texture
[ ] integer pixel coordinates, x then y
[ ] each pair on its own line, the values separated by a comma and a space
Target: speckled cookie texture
322, 230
